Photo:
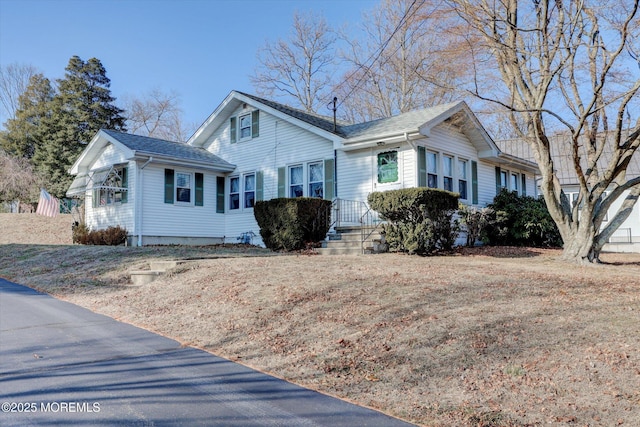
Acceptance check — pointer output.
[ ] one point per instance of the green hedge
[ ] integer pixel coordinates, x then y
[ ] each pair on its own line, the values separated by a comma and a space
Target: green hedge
420, 220
290, 224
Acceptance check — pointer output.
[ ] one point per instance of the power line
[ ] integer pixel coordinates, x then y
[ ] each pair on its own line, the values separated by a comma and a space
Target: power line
373, 58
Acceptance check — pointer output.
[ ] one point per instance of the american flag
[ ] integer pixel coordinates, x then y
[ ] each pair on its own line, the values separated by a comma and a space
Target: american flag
47, 205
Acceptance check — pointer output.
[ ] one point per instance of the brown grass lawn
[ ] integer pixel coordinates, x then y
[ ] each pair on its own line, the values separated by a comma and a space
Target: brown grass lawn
485, 337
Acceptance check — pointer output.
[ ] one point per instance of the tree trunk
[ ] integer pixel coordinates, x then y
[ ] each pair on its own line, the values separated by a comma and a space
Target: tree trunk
581, 248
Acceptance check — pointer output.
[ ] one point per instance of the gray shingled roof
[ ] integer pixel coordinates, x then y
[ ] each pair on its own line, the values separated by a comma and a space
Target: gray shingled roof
317, 120
411, 120
562, 157
161, 147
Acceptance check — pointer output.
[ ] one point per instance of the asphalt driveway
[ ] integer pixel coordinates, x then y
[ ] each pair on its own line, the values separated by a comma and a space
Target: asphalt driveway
61, 364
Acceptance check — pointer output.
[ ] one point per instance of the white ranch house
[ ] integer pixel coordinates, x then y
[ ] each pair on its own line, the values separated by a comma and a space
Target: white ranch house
250, 149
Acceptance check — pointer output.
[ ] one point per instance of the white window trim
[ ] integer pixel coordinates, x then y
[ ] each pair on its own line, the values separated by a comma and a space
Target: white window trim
440, 156
465, 178
244, 190
111, 190
309, 182
241, 192
239, 124
436, 164
306, 182
191, 187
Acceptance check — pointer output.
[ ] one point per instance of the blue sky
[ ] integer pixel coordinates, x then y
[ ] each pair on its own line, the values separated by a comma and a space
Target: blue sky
201, 49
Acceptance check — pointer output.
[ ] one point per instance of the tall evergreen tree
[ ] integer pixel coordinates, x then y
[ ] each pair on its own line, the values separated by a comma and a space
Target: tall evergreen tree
82, 106
22, 131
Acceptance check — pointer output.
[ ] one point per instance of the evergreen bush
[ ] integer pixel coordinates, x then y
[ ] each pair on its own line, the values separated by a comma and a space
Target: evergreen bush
521, 221
420, 220
291, 224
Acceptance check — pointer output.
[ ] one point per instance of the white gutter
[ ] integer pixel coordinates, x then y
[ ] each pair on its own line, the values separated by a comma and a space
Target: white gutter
138, 204
411, 143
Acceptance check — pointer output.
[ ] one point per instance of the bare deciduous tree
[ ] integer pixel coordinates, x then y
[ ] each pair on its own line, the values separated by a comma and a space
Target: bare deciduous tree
565, 68
14, 79
18, 180
298, 68
157, 114
405, 61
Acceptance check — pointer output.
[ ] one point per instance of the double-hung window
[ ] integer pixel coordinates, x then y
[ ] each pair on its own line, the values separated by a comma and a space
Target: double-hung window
515, 182
462, 179
447, 172
183, 187
244, 190
245, 126
234, 193
503, 179
316, 179
296, 181
432, 169
249, 190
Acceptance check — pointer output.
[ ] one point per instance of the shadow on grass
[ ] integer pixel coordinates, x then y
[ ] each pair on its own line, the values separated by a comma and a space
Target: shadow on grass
505, 251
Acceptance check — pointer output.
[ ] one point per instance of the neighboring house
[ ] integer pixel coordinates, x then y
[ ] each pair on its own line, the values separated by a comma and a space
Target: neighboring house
627, 237
254, 149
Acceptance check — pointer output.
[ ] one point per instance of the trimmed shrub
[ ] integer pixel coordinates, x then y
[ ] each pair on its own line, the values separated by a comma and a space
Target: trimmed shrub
420, 220
112, 236
290, 224
521, 221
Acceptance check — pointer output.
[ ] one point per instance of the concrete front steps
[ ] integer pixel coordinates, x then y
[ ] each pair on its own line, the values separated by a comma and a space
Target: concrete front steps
347, 241
156, 269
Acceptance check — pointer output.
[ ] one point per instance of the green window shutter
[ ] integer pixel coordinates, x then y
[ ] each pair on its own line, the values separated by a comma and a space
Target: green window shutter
168, 186
233, 129
259, 185
282, 181
498, 186
524, 184
255, 124
199, 189
422, 167
329, 179
474, 182
220, 194
95, 195
125, 184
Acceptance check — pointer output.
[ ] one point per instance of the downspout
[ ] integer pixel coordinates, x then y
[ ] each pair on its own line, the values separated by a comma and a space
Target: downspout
139, 200
408, 141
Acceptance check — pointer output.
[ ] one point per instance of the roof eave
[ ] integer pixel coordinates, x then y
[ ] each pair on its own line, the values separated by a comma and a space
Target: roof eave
190, 163
513, 161
379, 140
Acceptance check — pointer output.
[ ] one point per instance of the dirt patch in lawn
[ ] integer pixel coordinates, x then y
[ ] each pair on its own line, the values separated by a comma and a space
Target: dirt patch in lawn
486, 337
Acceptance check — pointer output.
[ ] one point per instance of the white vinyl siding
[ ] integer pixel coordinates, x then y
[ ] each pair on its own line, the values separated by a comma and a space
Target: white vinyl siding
121, 214
279, 144
175, 220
